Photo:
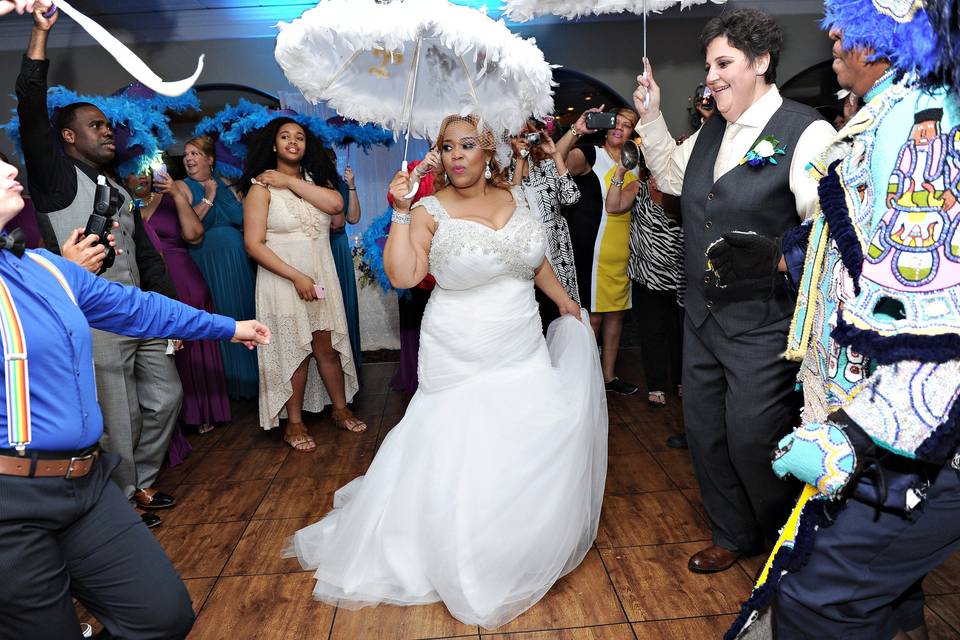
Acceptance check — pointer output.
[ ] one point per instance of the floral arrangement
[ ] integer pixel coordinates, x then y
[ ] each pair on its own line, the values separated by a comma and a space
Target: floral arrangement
764, 152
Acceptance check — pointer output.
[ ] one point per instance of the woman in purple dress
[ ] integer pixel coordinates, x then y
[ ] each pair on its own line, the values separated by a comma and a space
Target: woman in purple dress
199, 363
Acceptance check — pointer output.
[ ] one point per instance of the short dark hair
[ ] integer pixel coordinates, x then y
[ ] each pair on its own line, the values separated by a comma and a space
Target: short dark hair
67, 116
749, 30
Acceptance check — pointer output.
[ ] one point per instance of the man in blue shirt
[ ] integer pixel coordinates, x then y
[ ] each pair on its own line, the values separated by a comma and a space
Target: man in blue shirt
65, 529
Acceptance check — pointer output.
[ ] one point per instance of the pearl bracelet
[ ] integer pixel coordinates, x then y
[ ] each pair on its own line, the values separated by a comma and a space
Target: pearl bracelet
400, 218
205, 200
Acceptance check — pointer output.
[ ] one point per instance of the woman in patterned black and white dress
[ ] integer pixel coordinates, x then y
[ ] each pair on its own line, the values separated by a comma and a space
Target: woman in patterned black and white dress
539, 170
656, 269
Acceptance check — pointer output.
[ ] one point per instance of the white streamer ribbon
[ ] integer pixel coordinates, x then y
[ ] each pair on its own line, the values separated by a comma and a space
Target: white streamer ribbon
128, 59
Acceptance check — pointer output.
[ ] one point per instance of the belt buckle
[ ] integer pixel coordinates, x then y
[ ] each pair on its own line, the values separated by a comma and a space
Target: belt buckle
69, 474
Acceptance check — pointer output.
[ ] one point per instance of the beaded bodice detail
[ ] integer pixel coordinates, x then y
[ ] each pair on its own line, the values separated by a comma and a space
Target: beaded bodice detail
465, 254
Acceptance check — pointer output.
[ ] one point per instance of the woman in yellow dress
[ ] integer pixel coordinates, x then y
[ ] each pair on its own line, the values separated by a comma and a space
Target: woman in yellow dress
600, 234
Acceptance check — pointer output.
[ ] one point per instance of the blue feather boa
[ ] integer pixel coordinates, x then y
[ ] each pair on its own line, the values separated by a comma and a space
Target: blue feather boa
235, 126
144, 120
909, 46
376, 232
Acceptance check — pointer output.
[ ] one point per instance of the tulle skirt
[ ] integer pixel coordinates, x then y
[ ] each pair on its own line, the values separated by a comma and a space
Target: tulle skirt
490, 488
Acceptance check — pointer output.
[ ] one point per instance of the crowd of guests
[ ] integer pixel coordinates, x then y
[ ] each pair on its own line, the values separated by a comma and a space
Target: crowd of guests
213, 246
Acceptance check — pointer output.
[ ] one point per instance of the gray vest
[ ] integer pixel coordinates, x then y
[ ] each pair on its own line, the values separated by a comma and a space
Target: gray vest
124, 269
743, 199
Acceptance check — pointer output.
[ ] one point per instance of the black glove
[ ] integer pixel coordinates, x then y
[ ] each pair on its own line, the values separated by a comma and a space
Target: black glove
740, 256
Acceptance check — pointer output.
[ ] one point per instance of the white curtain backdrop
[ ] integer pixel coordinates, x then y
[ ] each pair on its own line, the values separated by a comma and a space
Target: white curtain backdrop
379, 325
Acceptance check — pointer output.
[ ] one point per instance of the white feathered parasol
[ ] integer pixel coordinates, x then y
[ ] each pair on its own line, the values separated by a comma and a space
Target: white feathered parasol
406, 65
523, 10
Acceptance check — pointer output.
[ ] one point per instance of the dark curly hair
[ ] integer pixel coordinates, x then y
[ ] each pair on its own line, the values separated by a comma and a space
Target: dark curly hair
749, 30
316, 162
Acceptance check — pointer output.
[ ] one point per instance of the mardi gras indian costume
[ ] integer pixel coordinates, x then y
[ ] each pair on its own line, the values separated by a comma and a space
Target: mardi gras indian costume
877, 328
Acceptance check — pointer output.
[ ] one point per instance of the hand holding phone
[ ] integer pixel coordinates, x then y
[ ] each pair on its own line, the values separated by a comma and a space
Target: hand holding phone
601, 120
158, 173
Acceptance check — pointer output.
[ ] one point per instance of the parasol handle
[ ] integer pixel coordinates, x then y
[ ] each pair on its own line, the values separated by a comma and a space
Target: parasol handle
646, 98
415, 184
412, 92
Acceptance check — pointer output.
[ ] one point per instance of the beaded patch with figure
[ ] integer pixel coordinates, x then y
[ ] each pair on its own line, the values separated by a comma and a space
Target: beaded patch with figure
911, 270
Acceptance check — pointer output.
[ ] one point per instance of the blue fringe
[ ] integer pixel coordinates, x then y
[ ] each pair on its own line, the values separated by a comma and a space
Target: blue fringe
834, 207
789, 559
793, 245
892, 349
910, 46
235, 126
376, 232
145, 125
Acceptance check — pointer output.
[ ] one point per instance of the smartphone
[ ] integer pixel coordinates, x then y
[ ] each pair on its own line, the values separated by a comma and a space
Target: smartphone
321, 292
601, 120
158, 172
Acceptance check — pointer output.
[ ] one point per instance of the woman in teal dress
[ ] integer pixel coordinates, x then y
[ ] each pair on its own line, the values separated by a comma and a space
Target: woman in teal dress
222, 258
343, 258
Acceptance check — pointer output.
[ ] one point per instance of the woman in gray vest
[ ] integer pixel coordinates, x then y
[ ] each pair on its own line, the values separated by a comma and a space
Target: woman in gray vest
743, 172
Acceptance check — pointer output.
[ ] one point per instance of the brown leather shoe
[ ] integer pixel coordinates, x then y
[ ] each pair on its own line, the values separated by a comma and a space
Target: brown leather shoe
713, 559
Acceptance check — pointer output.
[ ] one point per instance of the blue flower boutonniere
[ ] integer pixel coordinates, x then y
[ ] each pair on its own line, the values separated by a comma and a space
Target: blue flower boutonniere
764, 152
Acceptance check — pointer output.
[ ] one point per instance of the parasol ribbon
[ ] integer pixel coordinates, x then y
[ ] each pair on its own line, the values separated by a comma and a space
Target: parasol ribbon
127, 58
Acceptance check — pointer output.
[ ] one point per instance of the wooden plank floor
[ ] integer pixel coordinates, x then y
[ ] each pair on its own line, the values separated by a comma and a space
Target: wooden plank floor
243, 493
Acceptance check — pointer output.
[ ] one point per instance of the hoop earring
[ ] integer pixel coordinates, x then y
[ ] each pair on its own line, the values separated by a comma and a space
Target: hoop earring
486, 172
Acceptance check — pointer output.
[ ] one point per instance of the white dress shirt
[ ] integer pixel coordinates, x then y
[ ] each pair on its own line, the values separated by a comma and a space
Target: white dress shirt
667, 161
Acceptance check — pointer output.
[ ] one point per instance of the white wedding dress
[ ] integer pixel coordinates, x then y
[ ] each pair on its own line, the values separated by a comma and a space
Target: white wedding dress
490, 488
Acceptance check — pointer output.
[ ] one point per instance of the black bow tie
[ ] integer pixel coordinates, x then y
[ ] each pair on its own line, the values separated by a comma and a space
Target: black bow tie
14, 242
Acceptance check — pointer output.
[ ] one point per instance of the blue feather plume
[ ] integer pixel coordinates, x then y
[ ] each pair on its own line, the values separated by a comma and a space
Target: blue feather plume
235, 126
909, 46
146, 127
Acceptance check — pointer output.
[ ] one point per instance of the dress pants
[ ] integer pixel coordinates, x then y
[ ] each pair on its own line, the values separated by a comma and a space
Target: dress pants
661, 337
62, 538
139, 392
740, 400
862, 581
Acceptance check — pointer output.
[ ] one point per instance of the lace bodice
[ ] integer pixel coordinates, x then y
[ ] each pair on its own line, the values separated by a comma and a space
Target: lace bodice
290, 214
465, 254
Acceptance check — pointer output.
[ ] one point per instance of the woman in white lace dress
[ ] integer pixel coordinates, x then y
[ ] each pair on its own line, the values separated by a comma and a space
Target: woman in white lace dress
489, 489
291, 197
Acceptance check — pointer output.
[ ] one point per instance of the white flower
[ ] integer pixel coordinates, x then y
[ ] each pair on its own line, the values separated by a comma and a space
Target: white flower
764, 149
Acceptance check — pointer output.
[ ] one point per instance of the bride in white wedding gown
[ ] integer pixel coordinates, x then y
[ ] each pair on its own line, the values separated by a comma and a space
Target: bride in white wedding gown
489, 489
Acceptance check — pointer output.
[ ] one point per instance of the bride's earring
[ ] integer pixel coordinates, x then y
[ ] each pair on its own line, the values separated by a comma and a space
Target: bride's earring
486, 172
274, 148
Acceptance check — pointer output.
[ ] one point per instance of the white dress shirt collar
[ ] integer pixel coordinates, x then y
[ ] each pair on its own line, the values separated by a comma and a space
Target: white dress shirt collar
759, 113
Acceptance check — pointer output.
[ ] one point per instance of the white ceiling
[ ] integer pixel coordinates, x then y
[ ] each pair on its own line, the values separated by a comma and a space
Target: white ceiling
186, 20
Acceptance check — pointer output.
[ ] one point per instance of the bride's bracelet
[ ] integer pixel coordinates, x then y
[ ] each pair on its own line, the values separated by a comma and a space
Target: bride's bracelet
400, 217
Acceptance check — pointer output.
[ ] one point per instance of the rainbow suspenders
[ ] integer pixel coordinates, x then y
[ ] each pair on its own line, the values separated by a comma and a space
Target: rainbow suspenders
16, 372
